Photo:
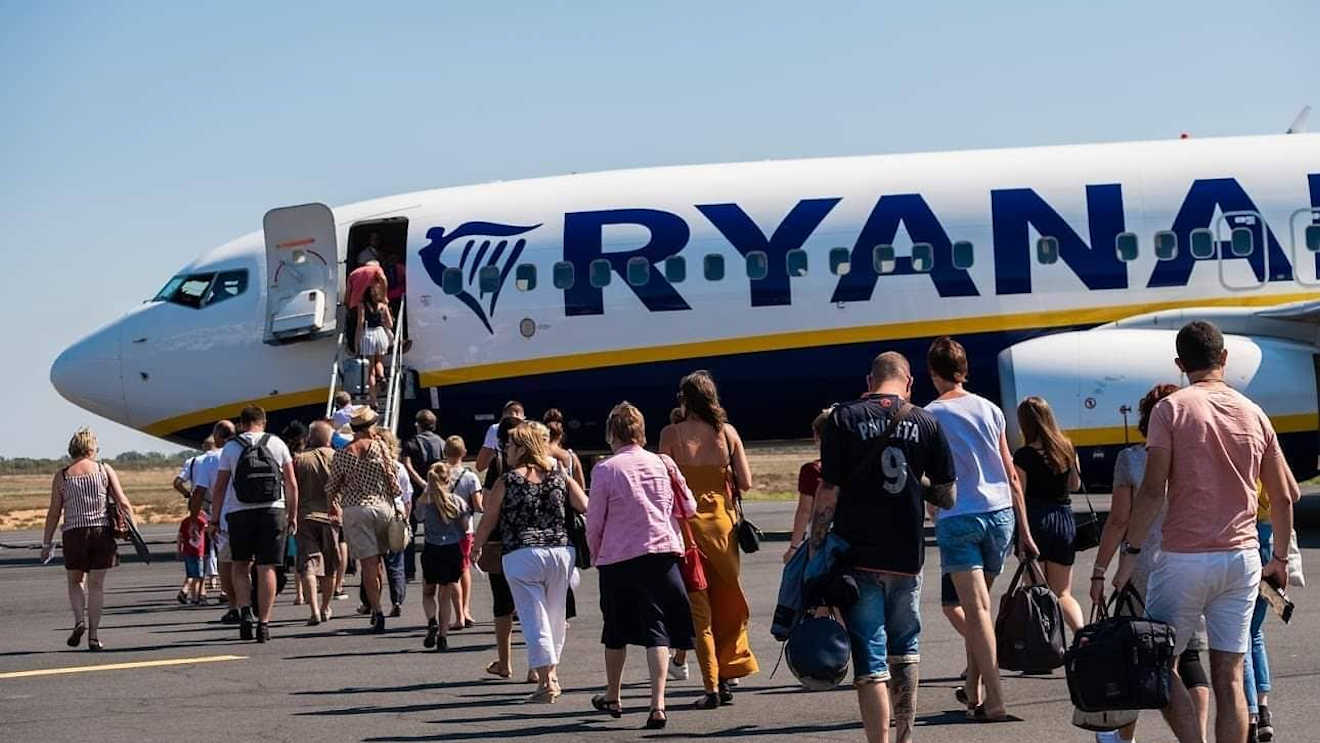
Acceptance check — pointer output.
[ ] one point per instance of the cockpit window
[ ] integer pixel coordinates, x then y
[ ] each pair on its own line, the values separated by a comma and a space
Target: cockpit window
199, 290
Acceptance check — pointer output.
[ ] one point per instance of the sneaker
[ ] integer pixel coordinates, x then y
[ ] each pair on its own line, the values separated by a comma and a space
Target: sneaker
432, 631
678, 671
441, 644
1264, 726
378, 623
230, 617
245, 627
397, 611
340, 596
182, 597
263, 632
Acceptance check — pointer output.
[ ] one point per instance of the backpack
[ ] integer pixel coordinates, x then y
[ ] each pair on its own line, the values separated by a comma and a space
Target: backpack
257, 478
1121, 662
1029, 628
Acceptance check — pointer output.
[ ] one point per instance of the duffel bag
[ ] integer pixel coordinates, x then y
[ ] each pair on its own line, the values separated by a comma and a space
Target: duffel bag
1029, 628
1121, 662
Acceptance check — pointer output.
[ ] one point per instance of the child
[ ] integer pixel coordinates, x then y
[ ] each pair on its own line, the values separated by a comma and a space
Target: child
192, 547
467, 486
808, 482
446, 518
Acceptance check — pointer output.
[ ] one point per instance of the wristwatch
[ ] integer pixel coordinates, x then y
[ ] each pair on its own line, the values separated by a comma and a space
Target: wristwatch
1128, 549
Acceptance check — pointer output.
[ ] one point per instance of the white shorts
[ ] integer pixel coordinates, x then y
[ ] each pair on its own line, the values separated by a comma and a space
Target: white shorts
1222, 586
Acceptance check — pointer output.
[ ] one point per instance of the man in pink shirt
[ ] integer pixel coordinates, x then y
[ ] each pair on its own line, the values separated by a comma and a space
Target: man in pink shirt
1208, 445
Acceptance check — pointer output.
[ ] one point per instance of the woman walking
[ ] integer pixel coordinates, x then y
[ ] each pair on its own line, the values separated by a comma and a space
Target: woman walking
635, 498
1049, 472
363, 475
710, 456
528, 506
374, 334
81, 493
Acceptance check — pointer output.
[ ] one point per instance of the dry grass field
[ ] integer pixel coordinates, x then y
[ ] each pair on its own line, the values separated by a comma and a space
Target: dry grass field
24, 498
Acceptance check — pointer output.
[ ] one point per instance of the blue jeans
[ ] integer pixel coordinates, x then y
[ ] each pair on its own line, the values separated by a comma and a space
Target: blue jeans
1256, 664
884, 625
975, 540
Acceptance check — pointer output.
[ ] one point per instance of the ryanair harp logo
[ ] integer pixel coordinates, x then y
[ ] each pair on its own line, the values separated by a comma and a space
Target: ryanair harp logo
473, 262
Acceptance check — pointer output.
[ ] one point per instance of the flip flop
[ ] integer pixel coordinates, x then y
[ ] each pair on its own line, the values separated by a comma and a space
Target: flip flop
601, 704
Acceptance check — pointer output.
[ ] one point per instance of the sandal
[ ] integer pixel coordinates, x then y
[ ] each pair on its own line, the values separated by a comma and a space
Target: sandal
707, 701
544, 695
978, 714
493, 669
601, 704
656, 723
75, 637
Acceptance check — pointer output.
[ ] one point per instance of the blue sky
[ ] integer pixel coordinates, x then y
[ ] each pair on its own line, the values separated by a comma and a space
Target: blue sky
136, 136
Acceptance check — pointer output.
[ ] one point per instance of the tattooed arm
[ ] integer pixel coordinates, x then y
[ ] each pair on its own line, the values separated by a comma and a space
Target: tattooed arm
940, 496
822, 514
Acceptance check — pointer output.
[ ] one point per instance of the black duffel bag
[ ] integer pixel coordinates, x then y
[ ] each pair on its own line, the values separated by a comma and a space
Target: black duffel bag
1121, 662
1029, 628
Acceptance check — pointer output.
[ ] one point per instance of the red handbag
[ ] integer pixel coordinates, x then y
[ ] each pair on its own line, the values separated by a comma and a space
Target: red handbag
690, 564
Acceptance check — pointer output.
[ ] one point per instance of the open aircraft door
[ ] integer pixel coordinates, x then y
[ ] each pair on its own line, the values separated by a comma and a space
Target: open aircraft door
302, 273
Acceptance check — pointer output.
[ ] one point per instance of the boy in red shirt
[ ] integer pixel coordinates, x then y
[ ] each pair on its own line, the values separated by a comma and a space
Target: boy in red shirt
192, 547
808, 481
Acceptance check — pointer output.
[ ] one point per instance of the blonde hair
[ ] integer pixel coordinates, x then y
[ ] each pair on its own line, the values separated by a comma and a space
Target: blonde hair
438, 493
455, 447
390, 440
83, 443
533, 445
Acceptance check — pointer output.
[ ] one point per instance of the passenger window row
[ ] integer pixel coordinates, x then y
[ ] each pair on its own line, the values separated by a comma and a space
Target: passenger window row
637, 271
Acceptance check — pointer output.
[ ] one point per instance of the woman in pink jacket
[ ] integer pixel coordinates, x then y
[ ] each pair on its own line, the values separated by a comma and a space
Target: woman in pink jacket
635, 546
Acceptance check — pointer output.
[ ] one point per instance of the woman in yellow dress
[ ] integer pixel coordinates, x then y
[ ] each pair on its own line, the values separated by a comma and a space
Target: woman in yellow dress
709, 453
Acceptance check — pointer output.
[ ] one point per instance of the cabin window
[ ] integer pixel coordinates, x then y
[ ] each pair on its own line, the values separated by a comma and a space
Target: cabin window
1047, 250
676, 269
713, 267
1166, 245
525, 277
1203, 243
797, 262
883, 259
639, 271
1242, 241
963, 255
227, 285
451, 281
923, 257
1312, 237
840, 261
598, 273
758, 265
562, 275
488, 279
1125, 246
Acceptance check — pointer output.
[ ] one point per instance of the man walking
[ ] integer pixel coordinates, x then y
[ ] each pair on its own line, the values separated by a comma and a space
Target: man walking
874, 453
204, 468
419, 453
261, 499
1207, 447
318, 535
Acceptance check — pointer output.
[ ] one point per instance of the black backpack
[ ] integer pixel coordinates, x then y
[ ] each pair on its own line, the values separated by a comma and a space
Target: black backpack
1121, 662
1029, 628
257, 478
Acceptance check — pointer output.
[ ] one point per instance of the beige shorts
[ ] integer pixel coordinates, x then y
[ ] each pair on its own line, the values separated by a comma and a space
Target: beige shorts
366, 528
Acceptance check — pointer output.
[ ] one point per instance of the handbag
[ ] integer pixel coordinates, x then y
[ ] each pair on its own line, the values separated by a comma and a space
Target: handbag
576, 526
1029, 628
818, 651
748, 535
117, 519
1088, 527
690, 563
1121, 662
1105, 720
397, 533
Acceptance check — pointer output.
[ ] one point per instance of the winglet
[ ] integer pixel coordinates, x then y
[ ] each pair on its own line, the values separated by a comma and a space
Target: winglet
1299, 123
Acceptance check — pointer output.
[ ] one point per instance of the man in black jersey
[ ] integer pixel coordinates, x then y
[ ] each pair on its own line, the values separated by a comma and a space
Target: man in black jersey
874, 452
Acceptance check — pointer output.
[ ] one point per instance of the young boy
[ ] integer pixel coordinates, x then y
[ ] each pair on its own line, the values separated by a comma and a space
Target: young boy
467, 487
808, 481
192, 548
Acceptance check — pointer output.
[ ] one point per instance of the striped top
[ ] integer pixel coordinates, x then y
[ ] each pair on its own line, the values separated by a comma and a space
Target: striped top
84, 499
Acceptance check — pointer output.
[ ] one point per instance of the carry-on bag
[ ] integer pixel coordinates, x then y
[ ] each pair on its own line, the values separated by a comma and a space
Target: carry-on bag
1121, 662
1029, 628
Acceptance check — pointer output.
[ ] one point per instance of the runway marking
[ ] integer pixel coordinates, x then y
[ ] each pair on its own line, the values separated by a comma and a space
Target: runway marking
120, 666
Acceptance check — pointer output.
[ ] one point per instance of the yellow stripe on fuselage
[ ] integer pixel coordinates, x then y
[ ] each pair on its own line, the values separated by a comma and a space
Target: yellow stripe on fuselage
1287, 423
752, 344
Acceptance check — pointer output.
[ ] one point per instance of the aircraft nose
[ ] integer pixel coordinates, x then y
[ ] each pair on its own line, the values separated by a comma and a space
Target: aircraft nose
88, 374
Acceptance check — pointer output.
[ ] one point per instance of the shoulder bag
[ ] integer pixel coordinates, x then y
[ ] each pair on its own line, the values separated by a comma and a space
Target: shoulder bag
1029, 628
1088, 526
690, 564
1121, 662
575, 524
748, 535
397, 531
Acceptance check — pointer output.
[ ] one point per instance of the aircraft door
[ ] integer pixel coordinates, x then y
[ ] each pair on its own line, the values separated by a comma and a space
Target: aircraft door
1242, 238
302, 273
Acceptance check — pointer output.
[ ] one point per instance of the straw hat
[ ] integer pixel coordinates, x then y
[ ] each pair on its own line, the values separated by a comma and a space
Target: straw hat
363, 418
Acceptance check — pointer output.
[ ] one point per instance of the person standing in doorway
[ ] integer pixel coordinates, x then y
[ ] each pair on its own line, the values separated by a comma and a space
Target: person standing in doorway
976, 534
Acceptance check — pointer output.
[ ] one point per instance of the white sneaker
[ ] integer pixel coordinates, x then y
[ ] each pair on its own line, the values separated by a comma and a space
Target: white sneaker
677, 671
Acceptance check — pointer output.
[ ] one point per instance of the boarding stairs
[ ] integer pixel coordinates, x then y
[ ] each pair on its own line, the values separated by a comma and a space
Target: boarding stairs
389, 389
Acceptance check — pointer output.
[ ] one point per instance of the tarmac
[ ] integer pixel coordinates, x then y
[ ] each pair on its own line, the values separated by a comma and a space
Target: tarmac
172, 673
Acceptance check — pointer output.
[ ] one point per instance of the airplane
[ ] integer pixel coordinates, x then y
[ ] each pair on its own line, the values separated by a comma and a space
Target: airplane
1064, 270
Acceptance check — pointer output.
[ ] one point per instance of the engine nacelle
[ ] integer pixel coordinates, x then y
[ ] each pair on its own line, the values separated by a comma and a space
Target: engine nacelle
1094, 379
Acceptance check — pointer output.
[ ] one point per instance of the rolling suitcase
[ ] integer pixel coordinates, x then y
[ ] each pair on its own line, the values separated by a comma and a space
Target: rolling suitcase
353, 376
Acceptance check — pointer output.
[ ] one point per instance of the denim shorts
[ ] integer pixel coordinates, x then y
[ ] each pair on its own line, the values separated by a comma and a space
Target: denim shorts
973, 541
192, 566
884, 626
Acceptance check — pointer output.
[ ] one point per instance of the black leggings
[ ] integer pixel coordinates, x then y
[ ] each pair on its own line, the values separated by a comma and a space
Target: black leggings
1190, 669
